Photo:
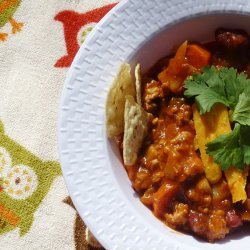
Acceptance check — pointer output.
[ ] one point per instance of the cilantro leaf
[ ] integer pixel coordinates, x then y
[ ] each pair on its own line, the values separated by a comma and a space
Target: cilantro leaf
219, 86
226, 150
194, 86
208, 89
241, 112
245, 142
235, 84
208, 99
214, 80
232, 149
232, 89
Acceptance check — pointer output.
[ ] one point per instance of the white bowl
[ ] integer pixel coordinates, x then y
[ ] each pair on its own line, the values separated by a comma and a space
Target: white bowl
134, 31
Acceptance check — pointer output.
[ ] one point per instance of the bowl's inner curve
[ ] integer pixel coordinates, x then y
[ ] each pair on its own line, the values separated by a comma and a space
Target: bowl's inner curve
165, 42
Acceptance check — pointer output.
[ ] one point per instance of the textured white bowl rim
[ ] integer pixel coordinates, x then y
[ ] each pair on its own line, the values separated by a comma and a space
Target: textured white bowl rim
81, 128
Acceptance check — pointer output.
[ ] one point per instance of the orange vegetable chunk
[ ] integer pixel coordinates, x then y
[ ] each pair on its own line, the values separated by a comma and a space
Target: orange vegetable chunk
197, 56
163, 196
175, 64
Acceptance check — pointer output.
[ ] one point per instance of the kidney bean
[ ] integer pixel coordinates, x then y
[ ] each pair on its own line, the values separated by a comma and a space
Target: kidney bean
198, 222
232, 219
231, 39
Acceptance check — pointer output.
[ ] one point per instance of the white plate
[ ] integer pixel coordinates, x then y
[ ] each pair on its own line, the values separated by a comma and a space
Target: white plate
134, 31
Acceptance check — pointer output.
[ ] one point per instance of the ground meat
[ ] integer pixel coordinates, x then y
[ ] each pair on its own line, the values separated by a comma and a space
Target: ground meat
179, 217
221, 195
142, 180
198, 222
201, 193
152, 92
217, 226
172, 149
212, 226
180, 111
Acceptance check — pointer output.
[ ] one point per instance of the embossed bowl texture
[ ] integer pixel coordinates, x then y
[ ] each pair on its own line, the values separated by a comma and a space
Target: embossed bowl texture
134, 31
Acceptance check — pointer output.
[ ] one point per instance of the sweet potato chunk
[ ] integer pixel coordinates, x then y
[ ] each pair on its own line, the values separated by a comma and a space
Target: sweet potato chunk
197, 56
175, 64
172, 74
163, 196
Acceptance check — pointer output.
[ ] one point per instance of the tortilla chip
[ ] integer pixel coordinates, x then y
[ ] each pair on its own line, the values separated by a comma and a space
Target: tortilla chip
122, 85
136, 126
138, 83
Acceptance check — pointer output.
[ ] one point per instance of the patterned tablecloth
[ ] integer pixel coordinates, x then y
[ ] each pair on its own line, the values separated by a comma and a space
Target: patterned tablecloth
38, 41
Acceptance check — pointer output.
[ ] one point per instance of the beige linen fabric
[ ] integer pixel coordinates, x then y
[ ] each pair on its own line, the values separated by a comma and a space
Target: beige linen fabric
35, 209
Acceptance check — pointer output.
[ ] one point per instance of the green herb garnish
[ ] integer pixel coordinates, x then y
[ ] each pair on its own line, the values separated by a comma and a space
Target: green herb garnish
232, 149
228, 87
